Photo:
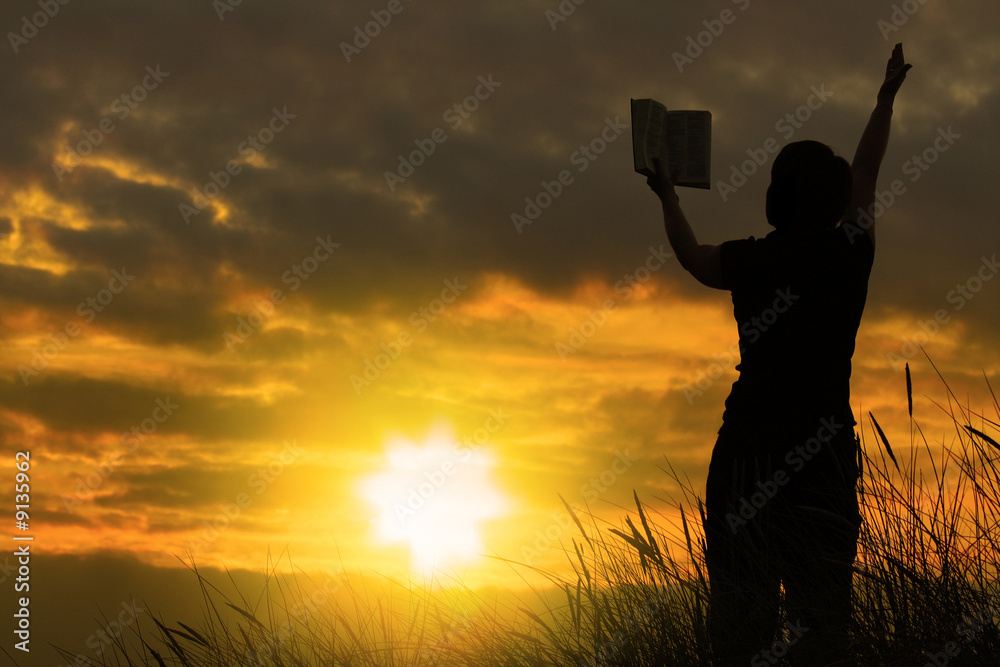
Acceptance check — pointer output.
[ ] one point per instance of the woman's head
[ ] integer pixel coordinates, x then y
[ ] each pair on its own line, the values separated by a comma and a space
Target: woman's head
810, 187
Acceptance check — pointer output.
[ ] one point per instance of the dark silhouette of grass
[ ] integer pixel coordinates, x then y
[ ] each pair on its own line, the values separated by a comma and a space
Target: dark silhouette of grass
926, 585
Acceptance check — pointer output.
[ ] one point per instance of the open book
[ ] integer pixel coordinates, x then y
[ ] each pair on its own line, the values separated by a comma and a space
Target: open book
682, 139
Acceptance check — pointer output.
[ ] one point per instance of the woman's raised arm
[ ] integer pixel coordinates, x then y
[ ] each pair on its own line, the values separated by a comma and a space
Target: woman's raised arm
874, 140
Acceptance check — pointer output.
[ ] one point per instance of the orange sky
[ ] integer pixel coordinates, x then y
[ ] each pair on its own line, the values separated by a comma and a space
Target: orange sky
226, 330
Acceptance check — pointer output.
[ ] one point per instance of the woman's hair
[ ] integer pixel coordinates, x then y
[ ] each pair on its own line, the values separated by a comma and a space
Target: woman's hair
810, 187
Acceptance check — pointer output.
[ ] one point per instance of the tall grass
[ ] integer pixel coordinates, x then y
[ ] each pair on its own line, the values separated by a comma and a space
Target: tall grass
929, 559
926, 585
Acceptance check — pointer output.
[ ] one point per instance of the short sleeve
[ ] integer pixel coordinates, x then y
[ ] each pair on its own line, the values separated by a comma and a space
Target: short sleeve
739, 260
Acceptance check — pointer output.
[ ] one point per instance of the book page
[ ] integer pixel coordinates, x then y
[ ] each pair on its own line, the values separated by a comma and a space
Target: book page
649, 134
689, 137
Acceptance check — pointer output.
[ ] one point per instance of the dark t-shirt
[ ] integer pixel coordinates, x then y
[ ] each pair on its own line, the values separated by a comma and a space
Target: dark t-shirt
798, 299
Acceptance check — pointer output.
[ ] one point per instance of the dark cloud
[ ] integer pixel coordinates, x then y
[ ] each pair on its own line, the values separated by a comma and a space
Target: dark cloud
353, 120
90, 406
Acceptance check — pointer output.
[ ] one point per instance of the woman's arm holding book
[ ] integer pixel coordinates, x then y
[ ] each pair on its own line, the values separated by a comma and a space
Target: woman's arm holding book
701, 261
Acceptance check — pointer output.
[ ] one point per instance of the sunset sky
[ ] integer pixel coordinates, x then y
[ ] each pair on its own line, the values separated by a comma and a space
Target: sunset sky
269, 281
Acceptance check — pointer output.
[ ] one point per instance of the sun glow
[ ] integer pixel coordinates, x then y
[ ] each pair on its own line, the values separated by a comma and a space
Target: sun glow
434, 496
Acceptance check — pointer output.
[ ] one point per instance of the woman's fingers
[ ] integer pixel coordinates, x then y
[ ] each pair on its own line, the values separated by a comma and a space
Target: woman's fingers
895, 60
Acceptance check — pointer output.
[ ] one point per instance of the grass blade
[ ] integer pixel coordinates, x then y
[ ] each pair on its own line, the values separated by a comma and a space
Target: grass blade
575, 519
983, 436
909, 391
885, 441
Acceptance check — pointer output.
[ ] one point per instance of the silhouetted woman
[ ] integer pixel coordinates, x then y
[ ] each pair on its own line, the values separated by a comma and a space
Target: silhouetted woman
781, 503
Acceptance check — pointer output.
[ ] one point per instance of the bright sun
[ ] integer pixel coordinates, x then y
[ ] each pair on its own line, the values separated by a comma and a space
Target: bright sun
434, 497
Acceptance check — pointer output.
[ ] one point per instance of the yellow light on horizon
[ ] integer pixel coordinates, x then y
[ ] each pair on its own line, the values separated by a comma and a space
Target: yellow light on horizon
434, 496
